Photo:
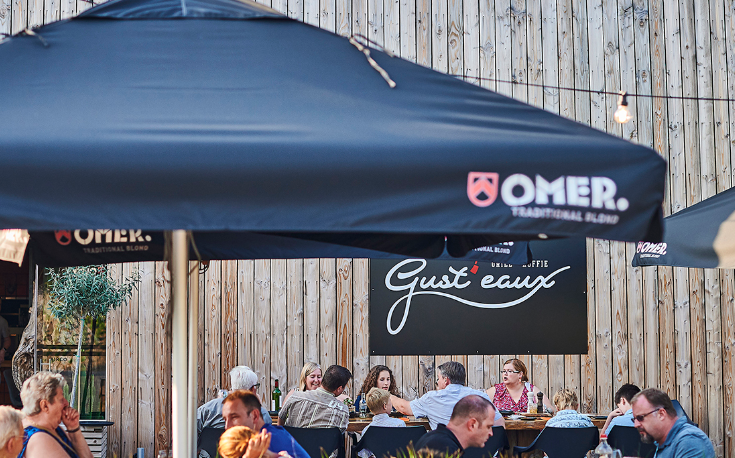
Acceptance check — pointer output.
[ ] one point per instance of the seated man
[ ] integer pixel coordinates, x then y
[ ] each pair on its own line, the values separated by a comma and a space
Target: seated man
470, 425
242, 408
209, 415
378, 401
623, 415
11, 432
655, 418
437, 405
319, 408
566, 415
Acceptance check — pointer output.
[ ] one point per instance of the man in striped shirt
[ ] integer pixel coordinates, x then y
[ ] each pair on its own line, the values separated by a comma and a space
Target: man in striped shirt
319, 408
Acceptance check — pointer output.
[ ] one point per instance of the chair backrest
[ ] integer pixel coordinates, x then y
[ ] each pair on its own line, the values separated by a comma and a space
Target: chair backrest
12, 389
628, 440
565, 442
680, 412
382, 441
315, 439
209, 440
498, 441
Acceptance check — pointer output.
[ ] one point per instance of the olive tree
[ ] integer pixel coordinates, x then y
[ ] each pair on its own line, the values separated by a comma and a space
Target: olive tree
89, 292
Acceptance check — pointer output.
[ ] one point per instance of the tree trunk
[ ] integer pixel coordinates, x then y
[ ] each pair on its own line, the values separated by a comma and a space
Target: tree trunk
85, 389
76, 365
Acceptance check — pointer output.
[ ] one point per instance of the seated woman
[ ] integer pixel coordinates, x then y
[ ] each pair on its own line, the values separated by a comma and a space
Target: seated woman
46, 408
512, 394
379, 377
310, 379
566, 412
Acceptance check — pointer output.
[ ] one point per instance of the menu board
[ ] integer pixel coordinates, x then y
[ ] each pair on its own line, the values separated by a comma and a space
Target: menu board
427, 307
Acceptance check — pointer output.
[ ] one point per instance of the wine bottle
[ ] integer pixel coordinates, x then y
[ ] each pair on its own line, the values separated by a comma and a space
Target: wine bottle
276, 396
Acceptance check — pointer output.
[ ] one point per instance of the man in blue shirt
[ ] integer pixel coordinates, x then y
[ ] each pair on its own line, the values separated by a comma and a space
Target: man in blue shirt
655, 417
437, 405
242, 408
623, 415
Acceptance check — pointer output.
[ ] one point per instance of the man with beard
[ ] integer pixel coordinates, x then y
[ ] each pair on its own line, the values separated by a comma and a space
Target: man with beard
656, 420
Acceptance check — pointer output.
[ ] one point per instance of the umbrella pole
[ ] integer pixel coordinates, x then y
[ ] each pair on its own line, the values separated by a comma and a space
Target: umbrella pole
179, 391
193, 325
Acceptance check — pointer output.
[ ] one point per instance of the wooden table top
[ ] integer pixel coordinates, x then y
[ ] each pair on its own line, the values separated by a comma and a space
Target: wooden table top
358, 424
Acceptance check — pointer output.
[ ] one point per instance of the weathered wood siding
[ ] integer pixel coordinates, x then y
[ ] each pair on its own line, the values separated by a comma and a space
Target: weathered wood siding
672, 328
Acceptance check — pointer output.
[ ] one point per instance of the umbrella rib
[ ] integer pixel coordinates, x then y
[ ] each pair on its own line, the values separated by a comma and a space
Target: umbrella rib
372, 62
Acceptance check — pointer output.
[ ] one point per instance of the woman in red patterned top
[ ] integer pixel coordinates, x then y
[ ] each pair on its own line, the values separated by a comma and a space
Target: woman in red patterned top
512, 394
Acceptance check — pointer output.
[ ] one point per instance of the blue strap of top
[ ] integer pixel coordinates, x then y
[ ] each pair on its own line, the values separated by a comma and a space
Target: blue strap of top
64, 441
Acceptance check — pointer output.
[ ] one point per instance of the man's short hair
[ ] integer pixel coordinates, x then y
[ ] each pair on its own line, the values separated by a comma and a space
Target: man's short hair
376, 399
242, 378
335, 377
472, 406
658, 399
11, 424
454, 371
248, 399
626, 392
566, 398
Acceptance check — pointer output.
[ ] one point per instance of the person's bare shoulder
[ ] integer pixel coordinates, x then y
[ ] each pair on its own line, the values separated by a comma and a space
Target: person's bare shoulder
42, 445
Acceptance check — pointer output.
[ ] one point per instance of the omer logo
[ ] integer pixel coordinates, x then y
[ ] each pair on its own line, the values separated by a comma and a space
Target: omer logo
518, 190
63, 237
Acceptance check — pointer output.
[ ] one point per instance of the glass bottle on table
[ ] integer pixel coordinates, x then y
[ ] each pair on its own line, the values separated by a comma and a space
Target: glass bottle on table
276, 398
363, 406
531, 403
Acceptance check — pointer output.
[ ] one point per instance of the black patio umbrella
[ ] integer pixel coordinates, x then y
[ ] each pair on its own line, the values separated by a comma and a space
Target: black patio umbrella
220, 115
702, 235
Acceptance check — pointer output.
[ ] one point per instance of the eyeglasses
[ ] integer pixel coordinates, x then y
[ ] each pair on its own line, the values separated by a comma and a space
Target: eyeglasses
506, 371
640, 418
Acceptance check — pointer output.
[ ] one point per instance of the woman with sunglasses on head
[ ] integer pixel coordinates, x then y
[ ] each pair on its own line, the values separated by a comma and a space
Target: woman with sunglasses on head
512, 394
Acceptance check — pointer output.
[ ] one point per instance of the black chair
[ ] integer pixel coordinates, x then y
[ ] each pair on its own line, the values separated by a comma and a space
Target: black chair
498, 442
564, 442
12, 389
314, 440
382, 441
209, 439
628, 440
680, 412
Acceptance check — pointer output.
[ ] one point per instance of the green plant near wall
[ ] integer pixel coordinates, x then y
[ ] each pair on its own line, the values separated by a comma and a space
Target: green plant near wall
89, 292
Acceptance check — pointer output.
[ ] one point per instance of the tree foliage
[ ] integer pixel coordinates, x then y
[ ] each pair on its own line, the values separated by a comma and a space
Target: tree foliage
87, 292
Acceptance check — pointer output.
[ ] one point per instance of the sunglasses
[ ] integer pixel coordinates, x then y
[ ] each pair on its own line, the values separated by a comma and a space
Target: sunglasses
640, 418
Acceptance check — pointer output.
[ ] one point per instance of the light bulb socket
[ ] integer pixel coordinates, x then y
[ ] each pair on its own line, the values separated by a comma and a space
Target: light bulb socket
623, 99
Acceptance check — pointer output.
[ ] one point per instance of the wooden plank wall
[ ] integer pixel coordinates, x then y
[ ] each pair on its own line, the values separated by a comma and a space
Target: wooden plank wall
672, 328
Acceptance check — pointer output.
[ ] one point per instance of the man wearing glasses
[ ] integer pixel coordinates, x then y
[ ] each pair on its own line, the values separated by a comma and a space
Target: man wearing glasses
437, 405
209, 415
655, 418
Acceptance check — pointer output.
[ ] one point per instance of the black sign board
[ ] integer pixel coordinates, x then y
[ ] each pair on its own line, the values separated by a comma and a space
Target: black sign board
420, 307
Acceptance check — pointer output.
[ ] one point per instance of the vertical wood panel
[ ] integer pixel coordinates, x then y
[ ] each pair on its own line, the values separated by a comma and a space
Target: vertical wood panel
410, 382
163, 358
471, 40
519, 54
476, 371
311, 310
245, 311
491, 369
262, 331
426, 374
201, 338
395, 363
146, 365
667, 350
588, 391
392, 26
408, 27
327, 312
439, 46
213, 330
728, 357
375, 21
19, 16
6, 9
229, 321
344, 315
423, 32
295, 323
360, 310
129, 431
619, 317
343, 17
113, 398
279, 307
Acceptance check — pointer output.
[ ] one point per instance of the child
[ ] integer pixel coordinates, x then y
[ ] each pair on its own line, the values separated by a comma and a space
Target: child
378, 401
11, 432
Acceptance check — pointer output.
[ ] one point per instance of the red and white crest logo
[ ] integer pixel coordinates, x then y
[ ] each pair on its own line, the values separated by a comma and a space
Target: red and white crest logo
63, 237
479, 183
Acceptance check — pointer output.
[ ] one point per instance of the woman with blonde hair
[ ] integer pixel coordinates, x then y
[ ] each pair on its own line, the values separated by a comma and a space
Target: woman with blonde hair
566, 403
243, 442
310, 379
46, 408
513, 393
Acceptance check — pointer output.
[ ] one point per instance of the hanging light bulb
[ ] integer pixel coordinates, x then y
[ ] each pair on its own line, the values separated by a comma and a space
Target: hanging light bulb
622, 115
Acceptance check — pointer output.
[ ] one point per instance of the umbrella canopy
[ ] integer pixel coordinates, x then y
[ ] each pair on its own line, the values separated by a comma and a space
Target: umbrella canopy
702, 235
221, 115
